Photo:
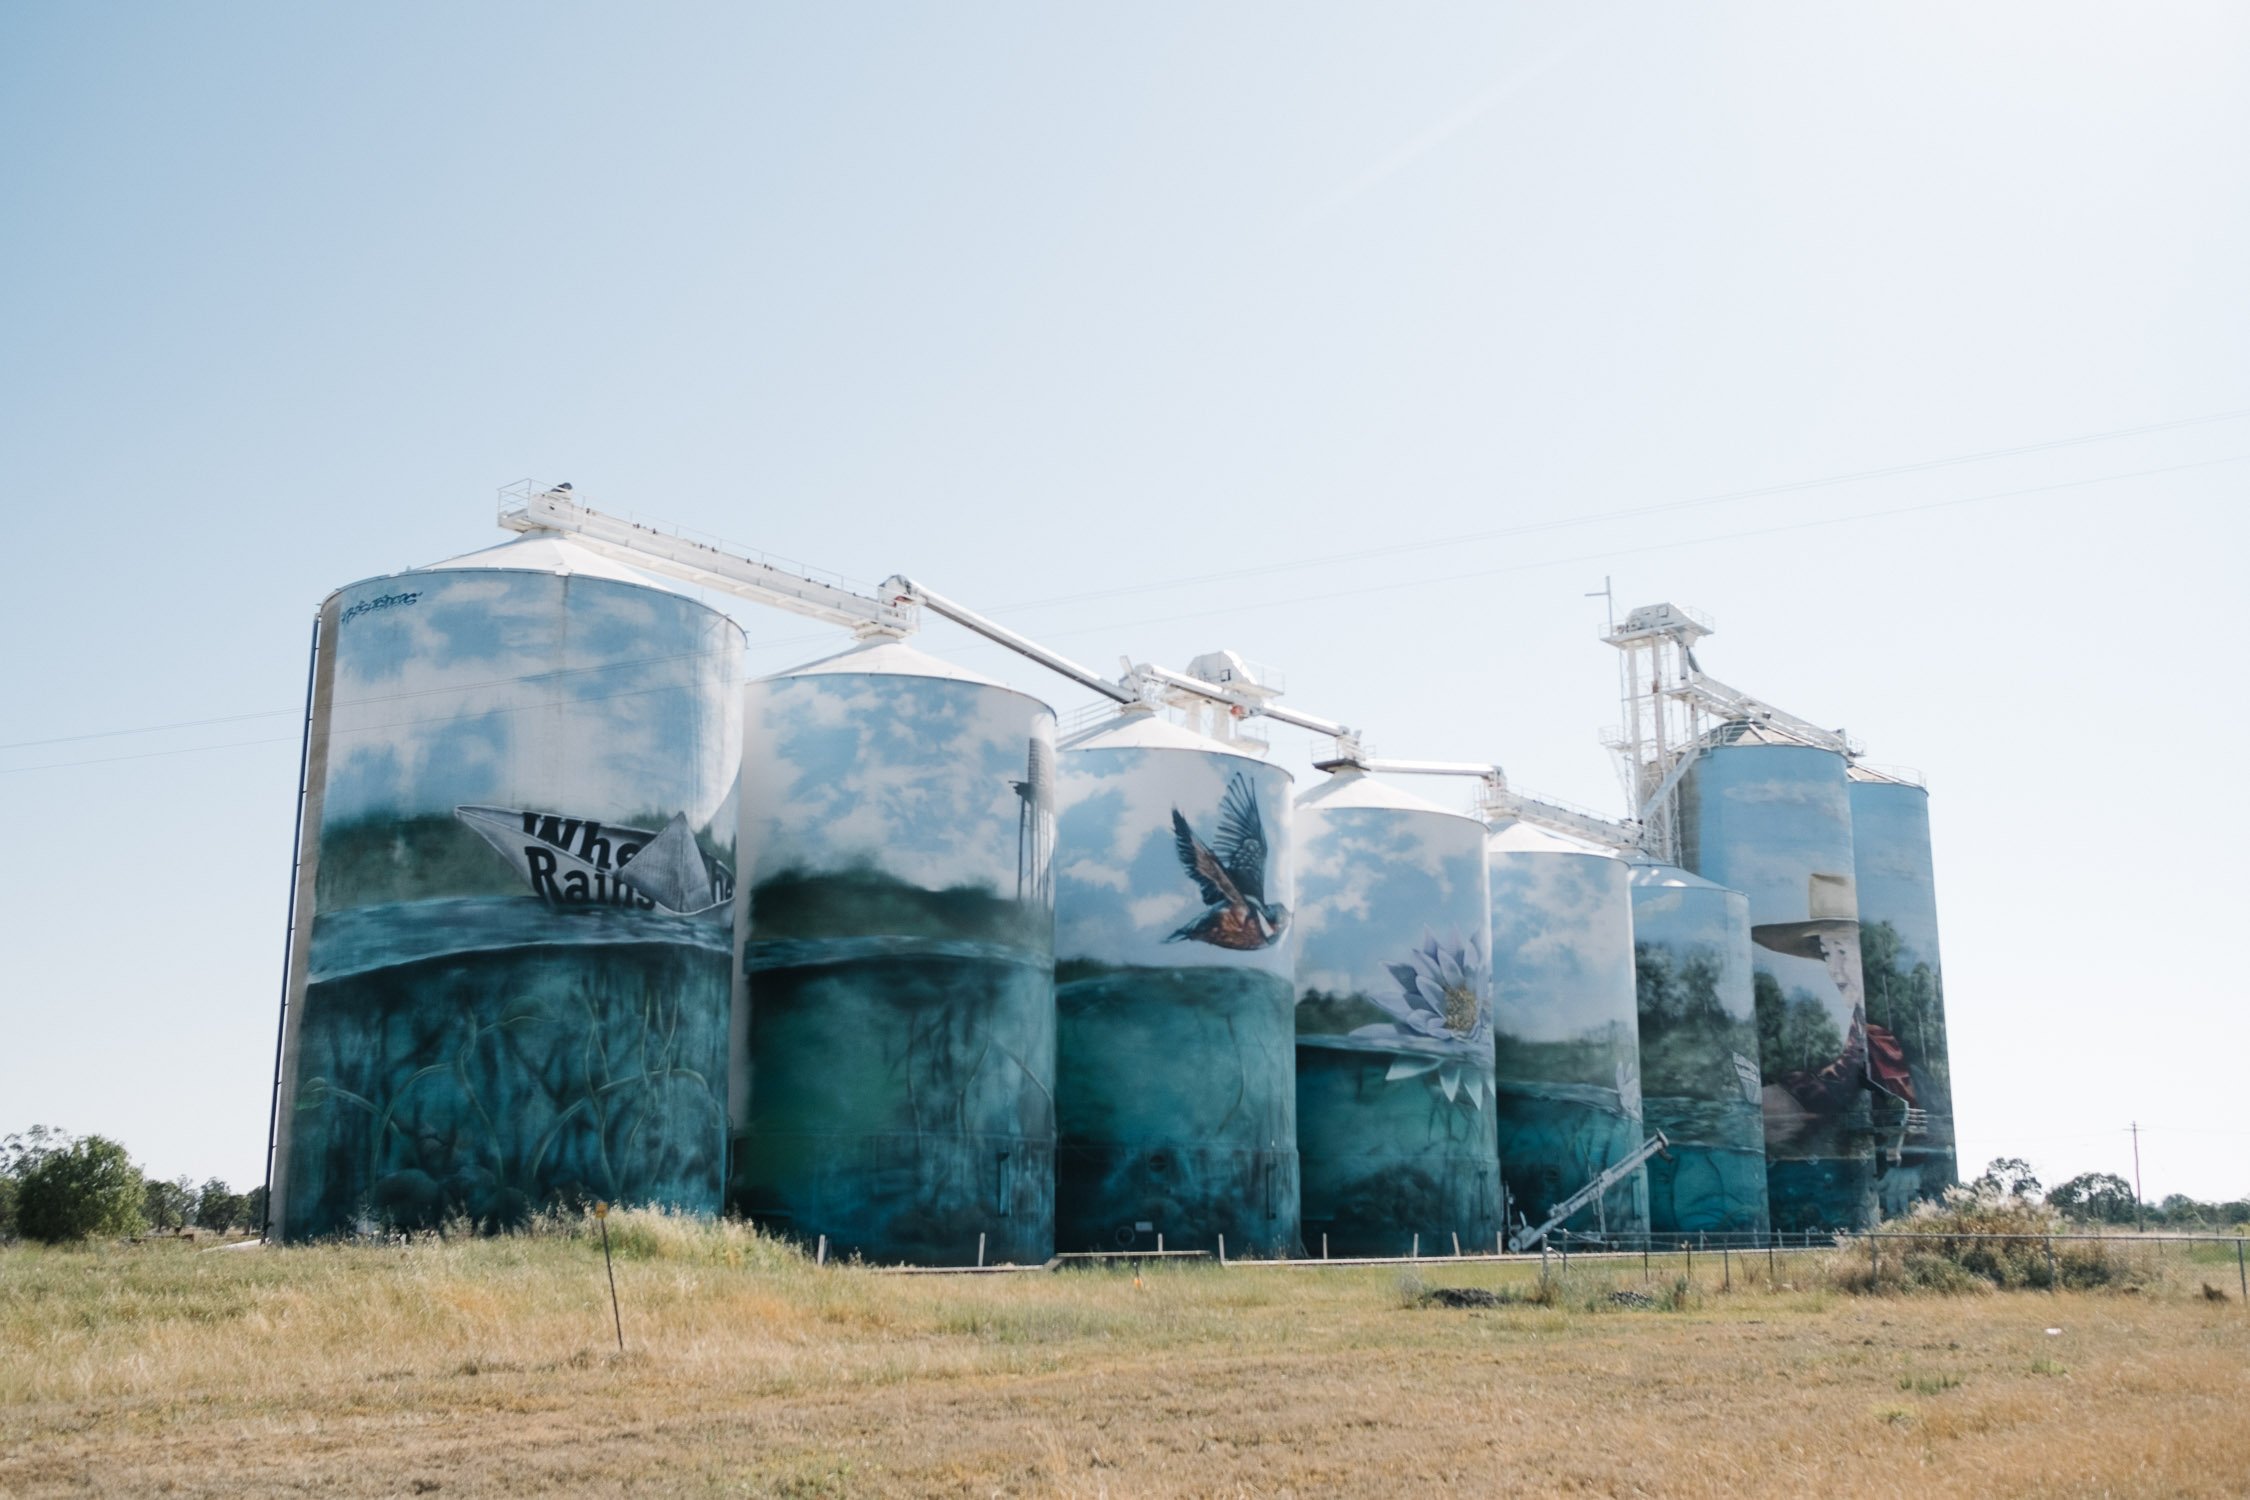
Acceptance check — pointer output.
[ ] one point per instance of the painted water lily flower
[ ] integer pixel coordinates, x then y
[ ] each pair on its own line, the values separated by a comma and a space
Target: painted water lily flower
1439, 1015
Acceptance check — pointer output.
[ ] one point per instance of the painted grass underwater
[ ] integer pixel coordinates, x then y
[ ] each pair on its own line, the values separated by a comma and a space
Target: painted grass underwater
489, 1367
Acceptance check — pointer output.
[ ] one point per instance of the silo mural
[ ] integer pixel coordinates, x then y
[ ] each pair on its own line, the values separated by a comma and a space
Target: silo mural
519, 833
898, 816
1565, 1037
1175, 996
1394, 1023
1905, 990
1774, 822
1699, 1054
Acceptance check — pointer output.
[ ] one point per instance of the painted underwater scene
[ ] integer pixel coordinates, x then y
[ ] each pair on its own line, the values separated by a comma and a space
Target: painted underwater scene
1178, 1100
1395, 1105
538, 1057
899, 1035
512, 984
901, 1103
1175, 999
1394, 1162
1565, 1037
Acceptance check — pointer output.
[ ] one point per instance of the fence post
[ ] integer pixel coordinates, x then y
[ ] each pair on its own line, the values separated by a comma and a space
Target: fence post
1874, 1262
2239, 1273
1644, 1259
1222, 1249
980, 1249
1417, 1245
1726, 1266
2054, 1279
1772, 1277
1456, 1244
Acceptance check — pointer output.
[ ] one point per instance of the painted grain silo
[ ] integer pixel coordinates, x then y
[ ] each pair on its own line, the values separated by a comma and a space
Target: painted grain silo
1773, 820
1394, 1023
1700, 1082
1905, 989
1565, 1036
516, 898
1175, 995
898, 828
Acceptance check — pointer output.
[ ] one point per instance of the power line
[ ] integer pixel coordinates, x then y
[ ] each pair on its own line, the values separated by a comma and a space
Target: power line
1524, 529
1732, 536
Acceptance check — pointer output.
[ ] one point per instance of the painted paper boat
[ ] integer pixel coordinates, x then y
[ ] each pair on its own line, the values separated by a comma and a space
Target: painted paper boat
583, 862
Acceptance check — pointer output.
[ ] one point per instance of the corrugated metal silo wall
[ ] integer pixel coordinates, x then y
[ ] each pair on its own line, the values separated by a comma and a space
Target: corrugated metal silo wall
1175, 999
1394, 1045
1905, 986
1566, 1047
1699, 1055
1774, 822
900, 959
520, 832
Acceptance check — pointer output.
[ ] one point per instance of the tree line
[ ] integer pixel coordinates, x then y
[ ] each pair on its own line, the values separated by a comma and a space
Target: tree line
59, 1188
2106, 1198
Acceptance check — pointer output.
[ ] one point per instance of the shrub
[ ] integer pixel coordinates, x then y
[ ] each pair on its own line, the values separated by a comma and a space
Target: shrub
1977, 1240
85, 1189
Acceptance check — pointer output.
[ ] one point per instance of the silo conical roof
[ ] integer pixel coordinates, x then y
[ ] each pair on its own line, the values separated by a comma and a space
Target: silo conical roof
1358, 789
885, 656
550, 552
1140, 729
1655, 874
1515, 836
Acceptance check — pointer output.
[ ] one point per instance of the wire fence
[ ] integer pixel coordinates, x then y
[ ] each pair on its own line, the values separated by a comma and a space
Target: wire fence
1877, 1260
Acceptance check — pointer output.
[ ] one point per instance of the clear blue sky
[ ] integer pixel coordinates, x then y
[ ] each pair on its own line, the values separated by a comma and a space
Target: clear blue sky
1064, 310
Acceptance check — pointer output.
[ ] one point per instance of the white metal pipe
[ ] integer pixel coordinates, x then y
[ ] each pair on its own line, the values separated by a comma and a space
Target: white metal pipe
903, 590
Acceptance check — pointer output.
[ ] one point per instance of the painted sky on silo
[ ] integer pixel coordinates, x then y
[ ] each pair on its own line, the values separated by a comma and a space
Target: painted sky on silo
455, 691
1122, 894
887, 771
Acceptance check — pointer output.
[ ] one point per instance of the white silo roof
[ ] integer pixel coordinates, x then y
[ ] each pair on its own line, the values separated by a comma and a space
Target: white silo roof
1662, 875
1358, 789
548, 552
1515, 836
1137, 729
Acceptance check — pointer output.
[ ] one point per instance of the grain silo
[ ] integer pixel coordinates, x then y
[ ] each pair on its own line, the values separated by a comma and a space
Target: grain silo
1905, 988
1772, 818
1395, 1137
898, 825
1565, 1035
1699, 1054
515, 899
1175, 994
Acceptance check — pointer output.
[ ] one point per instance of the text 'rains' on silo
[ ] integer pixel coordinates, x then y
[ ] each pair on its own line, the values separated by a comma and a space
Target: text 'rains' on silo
898, 821
518, 844
1175, 995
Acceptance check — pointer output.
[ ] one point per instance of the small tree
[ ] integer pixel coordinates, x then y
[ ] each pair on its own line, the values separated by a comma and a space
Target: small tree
87, 1188
218, 1206
2008, 1177
254, 1209
2098, 1197
168, 1205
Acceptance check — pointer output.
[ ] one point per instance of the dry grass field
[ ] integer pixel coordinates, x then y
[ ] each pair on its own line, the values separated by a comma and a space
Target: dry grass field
474, 1368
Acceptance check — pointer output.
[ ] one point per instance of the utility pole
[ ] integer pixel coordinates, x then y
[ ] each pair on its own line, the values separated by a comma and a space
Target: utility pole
2136, 1177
